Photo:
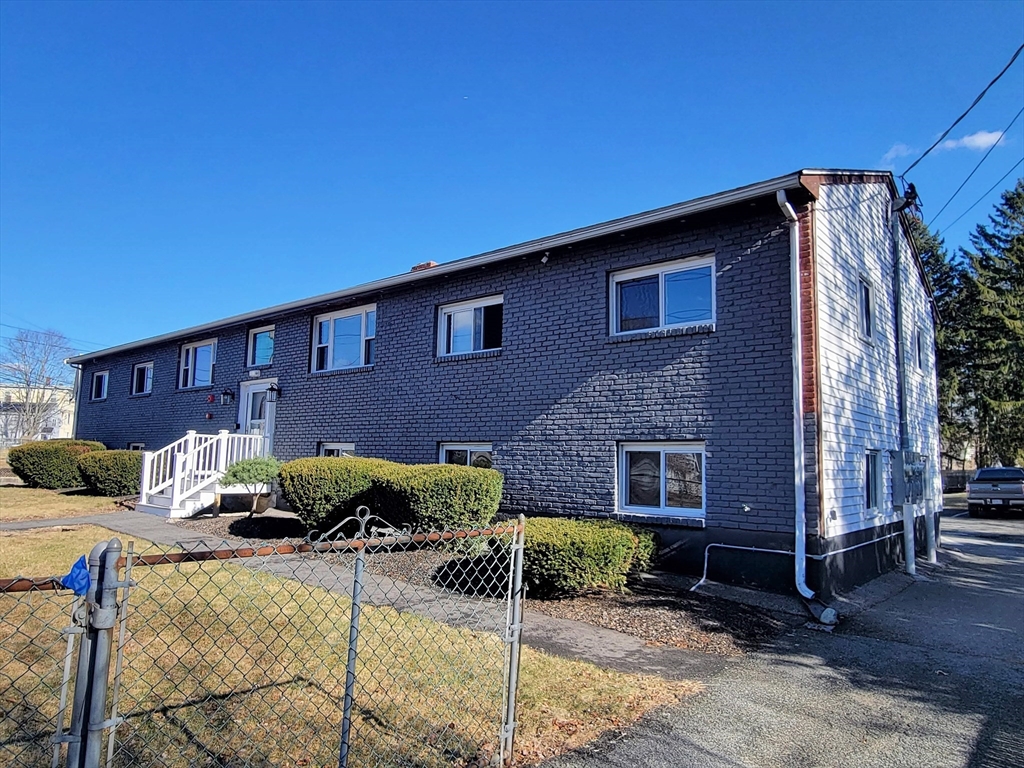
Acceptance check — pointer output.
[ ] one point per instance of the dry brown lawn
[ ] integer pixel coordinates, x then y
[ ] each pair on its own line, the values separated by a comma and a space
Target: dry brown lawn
20, 503
46, 551
223, 660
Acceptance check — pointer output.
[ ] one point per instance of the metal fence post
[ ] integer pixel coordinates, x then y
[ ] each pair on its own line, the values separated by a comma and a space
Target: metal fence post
514, 638
79, 704
350, 669
102, 619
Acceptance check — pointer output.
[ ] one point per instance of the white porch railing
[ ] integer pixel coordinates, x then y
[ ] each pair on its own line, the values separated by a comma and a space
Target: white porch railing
193, 463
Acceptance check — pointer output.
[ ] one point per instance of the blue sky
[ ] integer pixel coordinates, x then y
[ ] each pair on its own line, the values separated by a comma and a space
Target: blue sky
162, 165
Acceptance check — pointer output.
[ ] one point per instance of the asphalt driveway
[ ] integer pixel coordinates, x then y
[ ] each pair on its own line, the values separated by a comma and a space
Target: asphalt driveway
919, 673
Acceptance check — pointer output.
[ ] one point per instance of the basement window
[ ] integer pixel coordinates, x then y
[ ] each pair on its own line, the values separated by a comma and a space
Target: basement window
467, 454
662, 478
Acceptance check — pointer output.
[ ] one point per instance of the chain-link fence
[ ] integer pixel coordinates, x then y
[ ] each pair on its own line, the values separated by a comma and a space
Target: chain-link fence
385, 649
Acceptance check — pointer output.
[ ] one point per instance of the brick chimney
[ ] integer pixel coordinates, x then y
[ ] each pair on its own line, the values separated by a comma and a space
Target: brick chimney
423, 265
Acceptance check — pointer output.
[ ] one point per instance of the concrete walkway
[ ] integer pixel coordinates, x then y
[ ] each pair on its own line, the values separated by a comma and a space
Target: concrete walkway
919, 673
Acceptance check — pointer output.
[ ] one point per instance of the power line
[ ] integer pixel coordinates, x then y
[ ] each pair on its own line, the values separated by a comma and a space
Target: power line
976, 202
973, 105
969, 175
32, 330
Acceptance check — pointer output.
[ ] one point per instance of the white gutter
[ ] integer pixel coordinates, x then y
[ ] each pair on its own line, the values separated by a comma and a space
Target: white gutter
659, 215
800, 521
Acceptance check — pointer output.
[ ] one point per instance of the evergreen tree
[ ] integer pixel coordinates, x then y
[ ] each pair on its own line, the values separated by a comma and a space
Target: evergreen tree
995, 337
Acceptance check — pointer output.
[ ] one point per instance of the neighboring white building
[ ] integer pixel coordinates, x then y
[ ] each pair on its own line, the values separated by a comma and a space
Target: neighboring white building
58, 421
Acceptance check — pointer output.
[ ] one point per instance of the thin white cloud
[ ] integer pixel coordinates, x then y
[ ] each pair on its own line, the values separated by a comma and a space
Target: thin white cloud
979, 141
898, 150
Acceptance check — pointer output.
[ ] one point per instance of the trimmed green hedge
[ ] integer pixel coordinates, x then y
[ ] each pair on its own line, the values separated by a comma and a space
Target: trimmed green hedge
432, 497
565, 557
112, 473
51, 463
323, 491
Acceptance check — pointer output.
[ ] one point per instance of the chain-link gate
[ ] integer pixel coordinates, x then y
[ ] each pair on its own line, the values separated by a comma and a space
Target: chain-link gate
381, 648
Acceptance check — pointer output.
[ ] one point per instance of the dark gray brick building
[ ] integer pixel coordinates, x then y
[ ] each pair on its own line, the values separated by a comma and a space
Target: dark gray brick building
642, 369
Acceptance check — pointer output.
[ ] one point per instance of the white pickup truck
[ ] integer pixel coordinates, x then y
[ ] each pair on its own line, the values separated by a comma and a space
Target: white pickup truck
996, 488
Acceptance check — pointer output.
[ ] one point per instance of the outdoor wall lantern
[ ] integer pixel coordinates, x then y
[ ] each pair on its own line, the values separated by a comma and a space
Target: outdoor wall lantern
227, 397
273, 393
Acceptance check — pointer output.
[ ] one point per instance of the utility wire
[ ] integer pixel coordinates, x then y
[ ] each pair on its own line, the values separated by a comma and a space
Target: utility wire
976, 202
957, 121
994, 145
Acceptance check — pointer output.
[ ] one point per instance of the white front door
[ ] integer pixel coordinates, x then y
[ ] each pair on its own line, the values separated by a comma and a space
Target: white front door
256, 412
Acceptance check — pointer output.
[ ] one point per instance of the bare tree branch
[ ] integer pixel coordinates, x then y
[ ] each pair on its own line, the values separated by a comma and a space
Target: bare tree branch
34, 376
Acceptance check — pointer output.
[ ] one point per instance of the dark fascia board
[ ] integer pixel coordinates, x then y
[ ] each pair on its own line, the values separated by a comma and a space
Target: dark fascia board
679, 210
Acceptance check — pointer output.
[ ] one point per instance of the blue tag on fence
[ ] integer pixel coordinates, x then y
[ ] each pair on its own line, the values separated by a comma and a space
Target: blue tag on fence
78, 579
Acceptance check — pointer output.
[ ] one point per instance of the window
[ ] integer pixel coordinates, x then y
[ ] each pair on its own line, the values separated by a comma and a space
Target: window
674, 295
99, 385
261, 346
665, 478
867, 308
197, 364
470, 326
872, 481
142, 378
919, 348
136, 446
337, 449
467, 454
344, 339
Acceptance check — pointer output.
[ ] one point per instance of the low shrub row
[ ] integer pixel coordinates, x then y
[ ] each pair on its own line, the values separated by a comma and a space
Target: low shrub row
324, 491
112, 473
564, 557
51, 464
62, 463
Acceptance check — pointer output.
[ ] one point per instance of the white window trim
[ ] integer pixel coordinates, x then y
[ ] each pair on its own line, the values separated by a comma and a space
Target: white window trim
459, 306
918, 350
92, 386
680, 265
251, 347
134, 369
136, 446
468, 447
663, 447
192, 373
341, 447
879, 485
332, 316
862, 282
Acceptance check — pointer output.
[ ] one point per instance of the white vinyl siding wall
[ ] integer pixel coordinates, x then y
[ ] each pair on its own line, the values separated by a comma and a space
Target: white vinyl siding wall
858, 376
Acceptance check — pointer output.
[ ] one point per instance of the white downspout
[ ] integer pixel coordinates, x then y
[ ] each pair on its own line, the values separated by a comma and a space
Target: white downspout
76, 393
800, 526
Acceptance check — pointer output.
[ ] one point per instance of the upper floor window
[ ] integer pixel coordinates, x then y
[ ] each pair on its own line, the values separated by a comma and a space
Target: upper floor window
470, 326
467, 454
261, 346
337, 450
98, 391
142, 378
197, 361
344, 339
866, 308
919, 347
672, 295
665, 478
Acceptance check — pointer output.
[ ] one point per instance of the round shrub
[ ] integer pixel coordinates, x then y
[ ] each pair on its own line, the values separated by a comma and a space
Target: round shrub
112, 473
564, 557
433, 497
323, 491
51, 464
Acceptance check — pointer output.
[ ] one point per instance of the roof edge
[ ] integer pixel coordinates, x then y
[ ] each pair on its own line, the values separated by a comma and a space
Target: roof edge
570, 237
